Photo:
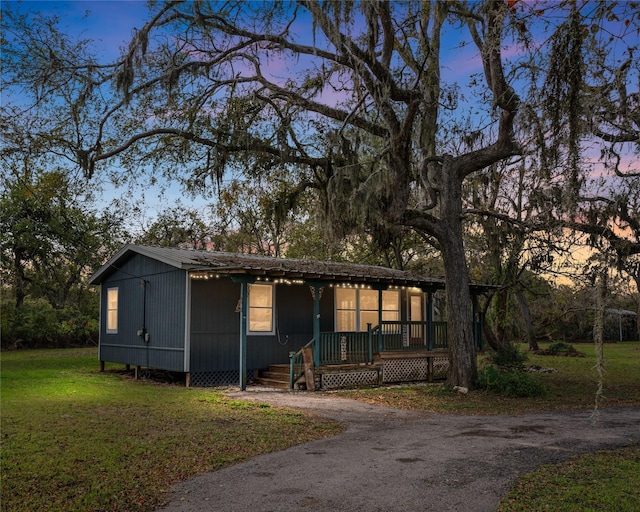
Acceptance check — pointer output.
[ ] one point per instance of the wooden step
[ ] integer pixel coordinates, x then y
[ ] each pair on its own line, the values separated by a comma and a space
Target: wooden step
279, 368
277, 376
272, 383
268, 374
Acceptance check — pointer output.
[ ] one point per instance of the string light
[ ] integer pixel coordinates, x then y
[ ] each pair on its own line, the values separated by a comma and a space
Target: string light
211, 275
351, 286
204, 275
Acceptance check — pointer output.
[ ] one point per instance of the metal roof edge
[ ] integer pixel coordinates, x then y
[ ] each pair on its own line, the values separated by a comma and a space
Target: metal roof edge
193, 260
144, 250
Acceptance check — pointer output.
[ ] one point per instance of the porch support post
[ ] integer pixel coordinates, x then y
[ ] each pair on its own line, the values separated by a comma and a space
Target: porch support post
430, 328
380, 342
244, 281
316, 288
380, 288
243, 335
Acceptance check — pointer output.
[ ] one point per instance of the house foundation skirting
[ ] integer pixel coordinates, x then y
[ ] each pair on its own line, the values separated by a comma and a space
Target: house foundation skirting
388, 368
410, 369
348, 379
217, 378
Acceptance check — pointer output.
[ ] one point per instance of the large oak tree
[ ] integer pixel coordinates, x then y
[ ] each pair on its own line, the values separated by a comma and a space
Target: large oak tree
385, 109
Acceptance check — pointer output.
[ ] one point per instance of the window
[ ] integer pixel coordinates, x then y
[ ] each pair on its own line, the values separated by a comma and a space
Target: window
368, 308
345, 309
261, 308
112, 310
391, 305
357, 308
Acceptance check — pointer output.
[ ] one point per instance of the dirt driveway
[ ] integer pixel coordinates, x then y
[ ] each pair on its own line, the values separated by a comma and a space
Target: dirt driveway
394, 460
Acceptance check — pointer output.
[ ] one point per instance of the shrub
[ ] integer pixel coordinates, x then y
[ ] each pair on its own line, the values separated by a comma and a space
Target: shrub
509, 357
560, 347
510, 383
36, 324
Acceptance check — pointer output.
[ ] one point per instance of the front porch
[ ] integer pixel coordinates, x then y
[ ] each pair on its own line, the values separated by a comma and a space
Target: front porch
393, 352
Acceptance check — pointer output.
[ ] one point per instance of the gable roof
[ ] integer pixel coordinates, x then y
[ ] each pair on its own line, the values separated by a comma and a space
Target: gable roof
225, 263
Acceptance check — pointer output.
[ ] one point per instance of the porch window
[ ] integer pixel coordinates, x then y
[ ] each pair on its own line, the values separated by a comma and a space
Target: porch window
391, 305
355, 308
112, 310
261, 308
368, 308
345, 309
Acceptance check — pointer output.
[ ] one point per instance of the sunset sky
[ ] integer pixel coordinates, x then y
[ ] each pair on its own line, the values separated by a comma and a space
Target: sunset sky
110, 24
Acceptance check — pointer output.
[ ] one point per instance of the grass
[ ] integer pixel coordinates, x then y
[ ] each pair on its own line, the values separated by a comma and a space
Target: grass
604, 481
74, 439
573, 386
597, 482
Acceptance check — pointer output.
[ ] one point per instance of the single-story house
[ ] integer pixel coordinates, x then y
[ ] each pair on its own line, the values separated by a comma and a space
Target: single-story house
221, 318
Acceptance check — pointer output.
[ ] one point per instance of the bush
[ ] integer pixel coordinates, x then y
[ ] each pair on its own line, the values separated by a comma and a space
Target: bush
510, 383
560, 347
36, 324
509, 357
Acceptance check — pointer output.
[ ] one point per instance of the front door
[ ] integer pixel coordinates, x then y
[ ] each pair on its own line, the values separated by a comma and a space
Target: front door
416, 314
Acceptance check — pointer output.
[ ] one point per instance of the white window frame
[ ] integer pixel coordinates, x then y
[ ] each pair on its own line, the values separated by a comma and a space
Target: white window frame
112, 312
387, 314
272, 307
349, 311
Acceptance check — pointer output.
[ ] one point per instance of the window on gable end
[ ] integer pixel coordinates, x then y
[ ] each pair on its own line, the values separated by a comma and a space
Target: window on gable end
112, 310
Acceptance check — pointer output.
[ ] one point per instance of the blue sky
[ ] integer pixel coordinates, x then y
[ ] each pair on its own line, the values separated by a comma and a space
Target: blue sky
108, 22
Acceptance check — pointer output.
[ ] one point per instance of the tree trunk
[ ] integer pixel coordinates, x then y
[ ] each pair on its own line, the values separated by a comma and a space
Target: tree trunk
495, 331
462, 357
526, 318
21, 278
501, 311
598, 332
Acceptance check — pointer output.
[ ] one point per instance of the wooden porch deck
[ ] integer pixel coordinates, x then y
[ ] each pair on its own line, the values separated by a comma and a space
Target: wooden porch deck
386, 368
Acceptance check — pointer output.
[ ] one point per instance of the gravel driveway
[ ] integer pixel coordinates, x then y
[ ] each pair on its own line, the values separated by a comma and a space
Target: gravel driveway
395, 460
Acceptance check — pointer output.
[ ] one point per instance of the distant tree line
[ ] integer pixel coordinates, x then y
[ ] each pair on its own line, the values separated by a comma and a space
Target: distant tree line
371, 150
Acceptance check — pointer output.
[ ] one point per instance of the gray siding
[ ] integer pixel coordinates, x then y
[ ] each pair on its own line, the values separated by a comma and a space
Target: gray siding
215, 326
162, 312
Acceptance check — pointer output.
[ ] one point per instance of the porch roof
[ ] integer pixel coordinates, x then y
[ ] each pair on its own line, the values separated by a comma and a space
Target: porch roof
224, 263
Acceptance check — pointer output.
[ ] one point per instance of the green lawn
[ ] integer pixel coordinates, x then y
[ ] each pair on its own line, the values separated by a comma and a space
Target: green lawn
604, 481
573, 386
74, 439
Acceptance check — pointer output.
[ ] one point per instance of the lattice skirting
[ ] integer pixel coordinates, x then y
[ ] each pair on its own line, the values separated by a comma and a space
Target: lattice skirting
346, 380
218, 379
405, 370
440, 367
414, 369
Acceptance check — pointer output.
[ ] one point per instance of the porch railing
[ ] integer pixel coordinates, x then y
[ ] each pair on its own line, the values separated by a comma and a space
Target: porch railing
345, 347
397, 335
359, 347
296, 364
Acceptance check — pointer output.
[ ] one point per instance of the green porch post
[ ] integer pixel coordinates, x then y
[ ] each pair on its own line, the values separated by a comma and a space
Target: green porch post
380, 342
316, 291
244, 288
380, 289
